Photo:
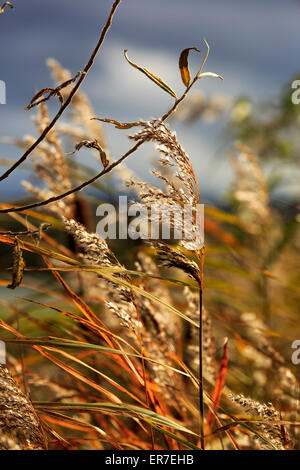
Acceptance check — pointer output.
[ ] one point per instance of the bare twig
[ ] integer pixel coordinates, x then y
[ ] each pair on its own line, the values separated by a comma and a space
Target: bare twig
5, 4
201, 400
42, 228
201, 388
70, 96
108, 168
77, 188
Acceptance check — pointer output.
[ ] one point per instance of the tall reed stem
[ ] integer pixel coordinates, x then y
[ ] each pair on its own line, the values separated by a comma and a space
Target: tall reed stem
201, 401
201, 256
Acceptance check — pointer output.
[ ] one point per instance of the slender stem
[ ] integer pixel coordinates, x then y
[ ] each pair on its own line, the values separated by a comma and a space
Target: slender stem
42, 228
70, 96
112, 165
201, 401
77, 188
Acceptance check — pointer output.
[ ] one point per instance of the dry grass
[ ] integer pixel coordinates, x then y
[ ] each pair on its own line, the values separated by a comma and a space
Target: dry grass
123, 348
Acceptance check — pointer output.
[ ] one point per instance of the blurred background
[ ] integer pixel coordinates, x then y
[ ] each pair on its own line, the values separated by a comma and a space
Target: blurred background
254, 46
242, 136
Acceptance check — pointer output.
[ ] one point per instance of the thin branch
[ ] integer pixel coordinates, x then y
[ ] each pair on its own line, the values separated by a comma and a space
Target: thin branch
52, 92
77, 188
69, 98
201, 256
42, 228
201, 398
5, 4
115, 163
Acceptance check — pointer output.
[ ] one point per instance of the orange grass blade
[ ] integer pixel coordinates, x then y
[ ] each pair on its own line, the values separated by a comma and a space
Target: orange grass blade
218, 388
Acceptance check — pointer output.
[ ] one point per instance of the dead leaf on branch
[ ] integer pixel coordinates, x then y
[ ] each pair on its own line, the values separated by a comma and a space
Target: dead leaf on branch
95, 145
6, 4
17, 266
184, 66
117, 124
52, 92
157, 80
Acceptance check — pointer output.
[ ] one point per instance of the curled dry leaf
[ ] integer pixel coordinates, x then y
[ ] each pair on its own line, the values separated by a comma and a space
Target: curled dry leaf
117, 124
158, 81
184, 66
17, 267
95, 145
210, 74
52, 92
5, 4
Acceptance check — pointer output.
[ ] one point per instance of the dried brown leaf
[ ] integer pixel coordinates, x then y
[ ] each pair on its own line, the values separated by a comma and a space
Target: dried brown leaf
184, 66
5, 4
95, 145
158, 81
17, 267
52, 92
117, 124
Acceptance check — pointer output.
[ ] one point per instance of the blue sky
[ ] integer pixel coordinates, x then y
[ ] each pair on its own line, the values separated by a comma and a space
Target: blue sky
254, 45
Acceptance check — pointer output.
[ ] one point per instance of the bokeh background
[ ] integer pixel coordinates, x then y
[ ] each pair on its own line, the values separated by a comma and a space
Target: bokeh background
251, 273
254, 45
